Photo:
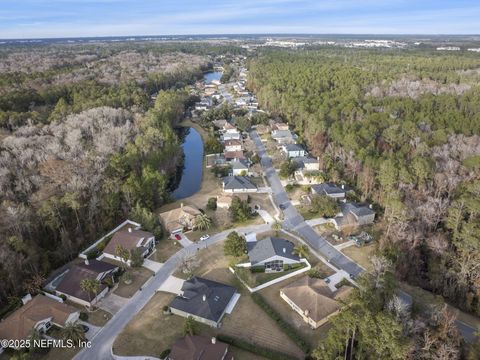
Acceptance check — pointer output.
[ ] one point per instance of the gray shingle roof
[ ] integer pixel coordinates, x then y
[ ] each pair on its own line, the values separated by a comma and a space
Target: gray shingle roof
237, 182
264, 249
293, 147
216, 295
358, 210
239, 164
282, 134
327, 189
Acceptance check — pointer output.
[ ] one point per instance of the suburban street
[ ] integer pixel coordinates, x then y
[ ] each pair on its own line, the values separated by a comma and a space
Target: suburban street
103, 341
294, 221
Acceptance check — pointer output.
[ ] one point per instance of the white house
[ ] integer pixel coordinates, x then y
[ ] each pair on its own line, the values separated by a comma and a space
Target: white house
293, 150
271, 253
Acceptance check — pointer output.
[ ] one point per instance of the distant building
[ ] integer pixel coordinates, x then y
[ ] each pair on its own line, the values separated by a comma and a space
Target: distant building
330, 190
232, 145
306, 163
239, 167
283, 137
179, 219
234, 184
354, 214
293, 150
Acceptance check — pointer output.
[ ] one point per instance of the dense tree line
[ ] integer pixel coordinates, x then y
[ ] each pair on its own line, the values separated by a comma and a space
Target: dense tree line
415, 155
66, 183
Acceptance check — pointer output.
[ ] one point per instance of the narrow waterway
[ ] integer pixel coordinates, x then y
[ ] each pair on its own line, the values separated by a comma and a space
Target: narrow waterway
191, 179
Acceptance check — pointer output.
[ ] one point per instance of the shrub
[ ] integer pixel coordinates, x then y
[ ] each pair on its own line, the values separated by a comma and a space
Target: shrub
253, 348
165, 353
63, 297
212, 204
257, 269
83, 316
108, 282
316, 273
284, 326
92, 254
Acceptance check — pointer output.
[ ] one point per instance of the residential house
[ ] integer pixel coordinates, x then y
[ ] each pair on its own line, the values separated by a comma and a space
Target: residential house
194, 347
219, 124
293, 150
283, 137
232, 145
330, 190
239, 167
224, 201
233, 155
38, 313
177, 220
232, 135
130, 239
280, 126
354, 214
204, 300
69, 283
313, 299
306, 163
234, 184
229, 128
271, 253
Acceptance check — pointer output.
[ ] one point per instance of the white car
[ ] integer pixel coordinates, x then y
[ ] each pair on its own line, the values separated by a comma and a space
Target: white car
204, 237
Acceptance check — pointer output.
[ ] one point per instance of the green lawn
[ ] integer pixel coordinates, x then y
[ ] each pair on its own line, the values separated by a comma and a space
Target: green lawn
255, 279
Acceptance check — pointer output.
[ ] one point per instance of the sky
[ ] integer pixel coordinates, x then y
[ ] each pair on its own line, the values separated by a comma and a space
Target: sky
84, 18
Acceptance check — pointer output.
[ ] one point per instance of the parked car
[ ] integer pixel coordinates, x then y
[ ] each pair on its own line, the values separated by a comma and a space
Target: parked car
282, 207
204, 237
178, 237
85, 328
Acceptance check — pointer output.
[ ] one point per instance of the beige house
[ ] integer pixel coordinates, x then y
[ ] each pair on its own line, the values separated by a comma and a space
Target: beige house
225, 201
313, 300
177, 220
38, 313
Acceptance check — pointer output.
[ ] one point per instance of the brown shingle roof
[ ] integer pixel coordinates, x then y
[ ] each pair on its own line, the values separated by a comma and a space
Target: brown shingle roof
199, 348
174, 219
234, 154
314, 296
127, 239
70, 284
19, 324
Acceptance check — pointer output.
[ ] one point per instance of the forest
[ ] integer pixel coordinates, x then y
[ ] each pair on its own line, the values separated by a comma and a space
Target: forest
83, 146
403, 128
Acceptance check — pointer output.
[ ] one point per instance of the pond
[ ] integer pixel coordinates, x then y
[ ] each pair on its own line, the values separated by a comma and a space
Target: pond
191, 179
210, 76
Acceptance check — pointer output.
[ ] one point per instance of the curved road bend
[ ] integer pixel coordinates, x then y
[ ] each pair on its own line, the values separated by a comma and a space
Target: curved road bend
294, 221
103, 341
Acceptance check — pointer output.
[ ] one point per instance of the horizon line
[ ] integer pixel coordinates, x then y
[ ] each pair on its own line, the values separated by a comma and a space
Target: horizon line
241, 34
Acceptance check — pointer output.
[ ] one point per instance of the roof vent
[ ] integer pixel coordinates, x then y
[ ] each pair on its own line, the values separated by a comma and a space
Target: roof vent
370, 206
87, 262
129, 229
26, 299
204, 297
343, 186
284, 250
214, 340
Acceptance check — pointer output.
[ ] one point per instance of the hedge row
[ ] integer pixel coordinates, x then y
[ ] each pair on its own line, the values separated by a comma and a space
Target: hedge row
286, 327
265, 352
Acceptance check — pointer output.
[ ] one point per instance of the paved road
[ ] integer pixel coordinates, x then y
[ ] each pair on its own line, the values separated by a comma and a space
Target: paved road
295, 222
103, 341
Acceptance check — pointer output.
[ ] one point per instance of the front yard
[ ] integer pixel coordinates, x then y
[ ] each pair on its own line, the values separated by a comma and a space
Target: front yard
151, 332
165, 248
361, 255
139, 277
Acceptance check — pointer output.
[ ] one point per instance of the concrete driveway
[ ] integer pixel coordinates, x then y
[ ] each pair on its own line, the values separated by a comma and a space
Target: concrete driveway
184, 240
92, 329
152, 265
266, 216
112, 303
172, 285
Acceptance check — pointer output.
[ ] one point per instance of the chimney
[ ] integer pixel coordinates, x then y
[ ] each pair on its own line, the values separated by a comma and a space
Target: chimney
204, 298
284, 250
343, 186
306, 312
370, 206
214, 340
26, 298
87, 262
129, 229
